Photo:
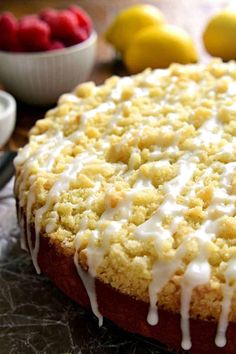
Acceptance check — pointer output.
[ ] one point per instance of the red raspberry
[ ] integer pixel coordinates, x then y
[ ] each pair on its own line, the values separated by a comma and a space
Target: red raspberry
34, 34
63, 24
56, 45
78, 36
82, 17
48, 15
29, 17
8, 31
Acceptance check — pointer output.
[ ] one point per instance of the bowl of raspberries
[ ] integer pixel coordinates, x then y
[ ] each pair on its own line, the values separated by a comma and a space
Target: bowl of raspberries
44, 55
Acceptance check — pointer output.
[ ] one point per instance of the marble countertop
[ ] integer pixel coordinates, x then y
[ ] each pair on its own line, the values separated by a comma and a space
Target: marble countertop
36, 317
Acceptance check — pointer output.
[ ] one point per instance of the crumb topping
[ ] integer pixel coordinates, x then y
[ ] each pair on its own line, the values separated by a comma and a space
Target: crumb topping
139, 176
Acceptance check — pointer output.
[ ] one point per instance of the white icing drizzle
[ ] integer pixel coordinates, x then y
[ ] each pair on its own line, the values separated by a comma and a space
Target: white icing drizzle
122, 212
49, 152
156, 75
232, 89
161, 273
228, 291
230, 273
62, 184
24, 156
104, 107
95, 254
51, 225
117, 91
197, 273
88, 281
153, 226
209, 132
88, 278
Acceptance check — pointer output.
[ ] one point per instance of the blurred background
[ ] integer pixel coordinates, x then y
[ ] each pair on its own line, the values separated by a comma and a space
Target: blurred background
191, 16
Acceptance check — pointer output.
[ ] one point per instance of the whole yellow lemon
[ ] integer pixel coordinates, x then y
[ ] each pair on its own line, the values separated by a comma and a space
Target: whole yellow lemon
220, 35
158, 47
129, 22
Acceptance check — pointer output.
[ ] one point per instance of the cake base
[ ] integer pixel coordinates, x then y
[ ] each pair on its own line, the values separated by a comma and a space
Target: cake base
126, 312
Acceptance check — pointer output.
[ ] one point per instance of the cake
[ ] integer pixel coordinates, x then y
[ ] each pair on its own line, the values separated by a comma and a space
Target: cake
126, 198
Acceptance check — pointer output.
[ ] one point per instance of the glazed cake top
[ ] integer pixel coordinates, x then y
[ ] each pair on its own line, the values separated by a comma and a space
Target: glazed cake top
139, 175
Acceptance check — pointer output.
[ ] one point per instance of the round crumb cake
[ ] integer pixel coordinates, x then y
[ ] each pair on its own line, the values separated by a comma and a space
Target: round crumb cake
126, 198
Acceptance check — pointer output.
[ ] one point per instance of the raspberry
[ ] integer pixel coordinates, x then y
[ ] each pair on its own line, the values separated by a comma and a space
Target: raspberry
8, 31
78, 36
48, 15
56, 45
83, 19
29, 17
63, 24
34, 34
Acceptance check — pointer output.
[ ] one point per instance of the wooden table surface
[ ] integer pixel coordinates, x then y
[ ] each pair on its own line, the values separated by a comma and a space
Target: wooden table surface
190, 15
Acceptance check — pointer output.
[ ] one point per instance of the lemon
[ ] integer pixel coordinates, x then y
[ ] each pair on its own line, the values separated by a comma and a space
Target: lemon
129, 22
220, 35
158, 47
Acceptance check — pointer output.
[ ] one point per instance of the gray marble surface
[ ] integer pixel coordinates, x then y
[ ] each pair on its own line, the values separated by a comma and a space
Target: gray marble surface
36, 317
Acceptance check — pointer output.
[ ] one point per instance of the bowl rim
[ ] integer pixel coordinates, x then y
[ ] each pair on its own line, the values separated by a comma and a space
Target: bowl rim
80, 46
10, 105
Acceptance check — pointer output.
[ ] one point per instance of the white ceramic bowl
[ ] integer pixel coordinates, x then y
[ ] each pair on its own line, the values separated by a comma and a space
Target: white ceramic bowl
7, 116
40, 78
